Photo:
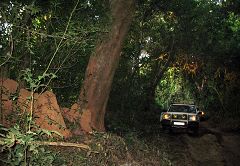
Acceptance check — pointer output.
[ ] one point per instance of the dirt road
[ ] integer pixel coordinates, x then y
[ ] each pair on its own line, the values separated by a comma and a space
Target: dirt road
212, 147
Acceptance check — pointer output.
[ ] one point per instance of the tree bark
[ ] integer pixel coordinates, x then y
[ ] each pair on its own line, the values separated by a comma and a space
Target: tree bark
101, 68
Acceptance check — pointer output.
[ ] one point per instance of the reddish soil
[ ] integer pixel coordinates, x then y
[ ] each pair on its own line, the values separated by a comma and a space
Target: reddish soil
46, 110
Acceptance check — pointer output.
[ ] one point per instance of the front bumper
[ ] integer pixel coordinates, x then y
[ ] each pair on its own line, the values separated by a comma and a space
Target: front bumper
179, 124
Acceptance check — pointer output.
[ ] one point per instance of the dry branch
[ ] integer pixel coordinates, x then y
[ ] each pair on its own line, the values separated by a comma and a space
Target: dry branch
66, 144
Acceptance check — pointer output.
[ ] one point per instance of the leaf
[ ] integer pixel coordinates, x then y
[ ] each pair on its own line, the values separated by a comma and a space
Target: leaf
2, 135
53, 76
40, 78
55, 132
47, 132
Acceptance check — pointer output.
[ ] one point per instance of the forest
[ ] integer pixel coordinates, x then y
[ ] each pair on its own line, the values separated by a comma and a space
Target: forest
84, 82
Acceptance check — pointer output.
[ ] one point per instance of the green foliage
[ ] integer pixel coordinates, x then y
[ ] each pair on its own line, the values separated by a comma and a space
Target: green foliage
22, 150
20, 140
52, 36
234, 22
173, 88
35, 83
45, 39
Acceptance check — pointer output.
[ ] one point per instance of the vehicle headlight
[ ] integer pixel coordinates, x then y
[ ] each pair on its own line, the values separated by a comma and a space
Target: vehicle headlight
166, 116
192, 117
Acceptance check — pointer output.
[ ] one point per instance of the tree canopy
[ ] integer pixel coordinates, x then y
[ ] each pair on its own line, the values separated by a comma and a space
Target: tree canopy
174, 51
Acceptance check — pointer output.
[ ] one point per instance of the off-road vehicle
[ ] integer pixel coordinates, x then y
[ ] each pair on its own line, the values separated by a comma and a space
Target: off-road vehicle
185, 116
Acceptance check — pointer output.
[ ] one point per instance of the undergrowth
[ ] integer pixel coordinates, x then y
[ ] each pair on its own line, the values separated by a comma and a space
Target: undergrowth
111, 149
18, 143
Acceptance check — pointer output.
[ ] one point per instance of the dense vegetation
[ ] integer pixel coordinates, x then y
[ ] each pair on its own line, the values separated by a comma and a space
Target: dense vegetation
174, 51
188, 52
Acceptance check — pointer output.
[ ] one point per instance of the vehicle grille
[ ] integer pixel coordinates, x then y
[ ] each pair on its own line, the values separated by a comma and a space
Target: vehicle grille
179, 116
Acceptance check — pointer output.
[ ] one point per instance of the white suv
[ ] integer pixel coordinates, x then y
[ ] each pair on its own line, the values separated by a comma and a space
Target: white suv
181, 116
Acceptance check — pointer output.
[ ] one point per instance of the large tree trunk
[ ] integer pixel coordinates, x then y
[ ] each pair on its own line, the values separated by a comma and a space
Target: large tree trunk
101, 68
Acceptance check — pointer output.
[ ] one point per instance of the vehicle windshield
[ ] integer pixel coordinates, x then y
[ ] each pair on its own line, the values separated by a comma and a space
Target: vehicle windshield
182, 108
